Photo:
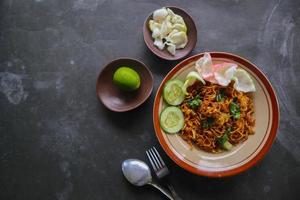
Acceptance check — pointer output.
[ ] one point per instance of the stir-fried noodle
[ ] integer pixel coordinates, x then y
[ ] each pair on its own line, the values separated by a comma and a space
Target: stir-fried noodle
221, 110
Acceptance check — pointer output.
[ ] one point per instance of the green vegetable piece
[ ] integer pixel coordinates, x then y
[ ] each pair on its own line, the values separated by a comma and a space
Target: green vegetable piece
227, 145
208, 122
221, 95
235, 110
237, 115
228, 131
195, 102
223, 141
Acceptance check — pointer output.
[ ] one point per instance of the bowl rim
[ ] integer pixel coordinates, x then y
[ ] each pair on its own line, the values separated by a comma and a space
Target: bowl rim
145, 29
261, 153
140, 102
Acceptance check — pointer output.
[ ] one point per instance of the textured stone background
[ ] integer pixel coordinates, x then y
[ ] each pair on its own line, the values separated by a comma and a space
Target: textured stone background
58, 142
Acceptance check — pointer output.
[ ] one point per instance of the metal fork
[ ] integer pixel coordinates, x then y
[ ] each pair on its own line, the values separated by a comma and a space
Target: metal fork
160, 169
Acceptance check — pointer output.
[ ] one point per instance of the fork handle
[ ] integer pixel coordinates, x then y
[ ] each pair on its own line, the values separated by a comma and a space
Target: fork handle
174, 193
163, 190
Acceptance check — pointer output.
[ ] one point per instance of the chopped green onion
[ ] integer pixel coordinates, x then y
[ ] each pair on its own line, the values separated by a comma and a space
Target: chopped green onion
228, 131
221, 95
208, 122
235, 110
237, 115
195, 102
223, 141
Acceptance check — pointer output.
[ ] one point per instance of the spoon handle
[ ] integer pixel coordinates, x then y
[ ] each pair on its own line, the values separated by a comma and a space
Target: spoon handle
174, 193
163, 190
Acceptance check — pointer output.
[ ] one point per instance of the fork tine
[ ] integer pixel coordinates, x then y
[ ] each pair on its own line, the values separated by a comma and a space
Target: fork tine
153, 159
150, 159
157, 160
161, 160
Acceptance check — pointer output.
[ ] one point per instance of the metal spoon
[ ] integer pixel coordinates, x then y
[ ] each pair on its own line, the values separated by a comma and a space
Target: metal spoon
138, 173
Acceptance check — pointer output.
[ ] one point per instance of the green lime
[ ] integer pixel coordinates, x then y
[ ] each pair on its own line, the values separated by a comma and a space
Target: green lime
127, 79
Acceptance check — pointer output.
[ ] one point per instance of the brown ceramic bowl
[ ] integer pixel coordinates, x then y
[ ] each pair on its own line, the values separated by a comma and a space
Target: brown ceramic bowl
180, 53
242, 156
114, 98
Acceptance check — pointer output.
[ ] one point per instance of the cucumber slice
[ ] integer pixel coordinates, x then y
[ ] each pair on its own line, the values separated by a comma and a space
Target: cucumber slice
190, 79
171, 119
173, 93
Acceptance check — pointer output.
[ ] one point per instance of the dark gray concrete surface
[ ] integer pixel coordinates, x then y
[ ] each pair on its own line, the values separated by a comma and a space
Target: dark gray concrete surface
57, 141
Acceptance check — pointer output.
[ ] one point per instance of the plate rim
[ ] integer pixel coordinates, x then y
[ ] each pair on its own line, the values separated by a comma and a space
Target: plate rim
274, 126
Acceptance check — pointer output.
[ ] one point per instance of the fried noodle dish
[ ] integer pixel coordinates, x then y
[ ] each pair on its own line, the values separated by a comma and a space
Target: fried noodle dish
216, 117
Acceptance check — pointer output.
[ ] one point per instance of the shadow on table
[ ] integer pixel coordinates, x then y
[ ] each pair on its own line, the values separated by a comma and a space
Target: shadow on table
156, 64
126, 120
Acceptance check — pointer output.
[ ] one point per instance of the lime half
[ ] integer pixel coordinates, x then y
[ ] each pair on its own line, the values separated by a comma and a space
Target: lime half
126, 79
